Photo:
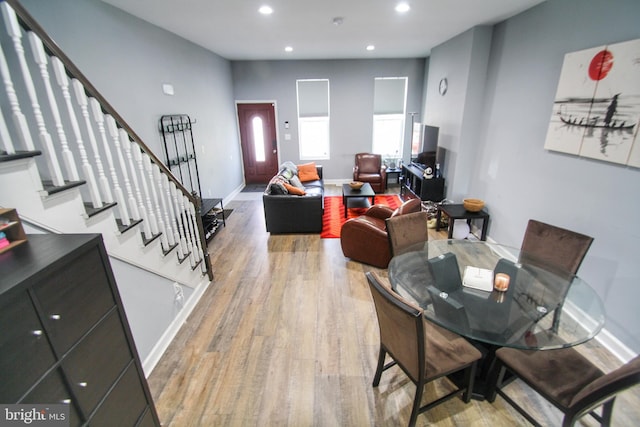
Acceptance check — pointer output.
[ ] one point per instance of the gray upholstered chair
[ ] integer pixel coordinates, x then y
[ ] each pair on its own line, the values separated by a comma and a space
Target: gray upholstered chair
407, 230
566, 379
421, 349
553, 246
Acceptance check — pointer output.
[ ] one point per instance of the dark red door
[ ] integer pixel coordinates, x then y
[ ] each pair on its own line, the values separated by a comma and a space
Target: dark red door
258, 140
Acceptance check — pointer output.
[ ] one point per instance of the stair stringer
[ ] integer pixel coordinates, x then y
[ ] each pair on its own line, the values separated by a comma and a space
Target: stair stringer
64, 212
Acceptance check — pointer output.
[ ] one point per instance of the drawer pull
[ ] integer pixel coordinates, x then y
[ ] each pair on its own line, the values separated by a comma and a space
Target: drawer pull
82, 384
37, 332
55, 317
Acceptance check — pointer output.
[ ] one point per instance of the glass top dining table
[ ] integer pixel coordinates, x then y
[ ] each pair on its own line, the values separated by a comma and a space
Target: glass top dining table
543, 307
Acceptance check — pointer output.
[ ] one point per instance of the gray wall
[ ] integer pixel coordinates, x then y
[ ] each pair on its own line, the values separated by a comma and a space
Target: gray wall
351, 101
513, 173
128, 60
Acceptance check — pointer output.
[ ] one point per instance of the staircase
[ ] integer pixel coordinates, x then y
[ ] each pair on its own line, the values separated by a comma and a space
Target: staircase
70, 164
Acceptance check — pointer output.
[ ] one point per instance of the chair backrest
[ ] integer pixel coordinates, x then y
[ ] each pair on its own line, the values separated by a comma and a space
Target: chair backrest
407, 230
368, 162
546, 244
607, 386
401, 327
410, 206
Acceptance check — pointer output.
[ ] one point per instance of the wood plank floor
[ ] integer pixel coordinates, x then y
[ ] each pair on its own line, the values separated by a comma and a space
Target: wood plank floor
287, 335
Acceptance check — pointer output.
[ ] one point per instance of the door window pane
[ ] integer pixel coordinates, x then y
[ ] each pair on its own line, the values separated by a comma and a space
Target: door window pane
258, 139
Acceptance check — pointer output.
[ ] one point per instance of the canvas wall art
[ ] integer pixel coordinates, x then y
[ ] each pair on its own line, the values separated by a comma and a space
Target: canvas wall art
596, 111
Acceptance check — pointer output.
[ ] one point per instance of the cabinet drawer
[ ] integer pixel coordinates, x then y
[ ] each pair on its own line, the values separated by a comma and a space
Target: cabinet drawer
124, 405
25, 354
52, 390
74, 299
93, 366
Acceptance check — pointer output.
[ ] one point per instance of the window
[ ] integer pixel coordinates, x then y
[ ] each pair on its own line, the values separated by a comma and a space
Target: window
313, 118
389, 100
258, 139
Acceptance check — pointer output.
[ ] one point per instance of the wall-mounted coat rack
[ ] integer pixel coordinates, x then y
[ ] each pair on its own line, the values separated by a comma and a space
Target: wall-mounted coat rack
179, 150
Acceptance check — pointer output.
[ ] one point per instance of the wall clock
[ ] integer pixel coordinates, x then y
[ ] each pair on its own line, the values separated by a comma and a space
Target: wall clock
444, 85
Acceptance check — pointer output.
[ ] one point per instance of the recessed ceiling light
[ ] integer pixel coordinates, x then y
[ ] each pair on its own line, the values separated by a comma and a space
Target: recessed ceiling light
288, 49
265, 10
371, 47
402, 7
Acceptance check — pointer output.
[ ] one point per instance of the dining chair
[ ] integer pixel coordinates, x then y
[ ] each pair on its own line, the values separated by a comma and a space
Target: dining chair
423, 350
566, 379
545, 244
404, 231
551, 247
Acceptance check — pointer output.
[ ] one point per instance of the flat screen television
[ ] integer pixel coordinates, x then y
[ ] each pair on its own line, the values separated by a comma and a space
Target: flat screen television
424, 145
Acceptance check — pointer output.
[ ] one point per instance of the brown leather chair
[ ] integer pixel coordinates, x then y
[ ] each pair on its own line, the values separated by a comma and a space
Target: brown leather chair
423, 350
566, 379
369, 168
365, 238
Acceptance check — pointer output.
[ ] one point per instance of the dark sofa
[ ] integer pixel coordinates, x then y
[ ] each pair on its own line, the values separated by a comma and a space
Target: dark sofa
289, 213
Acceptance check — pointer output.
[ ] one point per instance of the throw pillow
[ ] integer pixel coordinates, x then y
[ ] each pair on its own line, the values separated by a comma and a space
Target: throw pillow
295, 181
290, 167
308, 172
294, 190
276, 185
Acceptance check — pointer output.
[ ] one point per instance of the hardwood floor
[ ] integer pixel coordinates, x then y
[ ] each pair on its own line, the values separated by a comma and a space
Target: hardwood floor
287, 335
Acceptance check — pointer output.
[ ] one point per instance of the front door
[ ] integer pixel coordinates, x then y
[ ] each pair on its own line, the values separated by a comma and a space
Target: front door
258, 140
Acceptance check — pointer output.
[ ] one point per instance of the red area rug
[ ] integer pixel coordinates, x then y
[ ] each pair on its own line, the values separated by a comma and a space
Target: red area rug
333, 217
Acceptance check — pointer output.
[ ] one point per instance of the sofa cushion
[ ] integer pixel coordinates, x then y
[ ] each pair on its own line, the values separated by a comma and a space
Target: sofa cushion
294, 190
308, 172
295, 181
314, 191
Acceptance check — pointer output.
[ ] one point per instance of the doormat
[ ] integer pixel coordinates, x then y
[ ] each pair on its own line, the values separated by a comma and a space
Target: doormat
333, 216
254, 188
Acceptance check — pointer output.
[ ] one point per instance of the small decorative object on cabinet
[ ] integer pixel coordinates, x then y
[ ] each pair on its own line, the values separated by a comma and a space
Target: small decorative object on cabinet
65, 337
11, 231
416, 185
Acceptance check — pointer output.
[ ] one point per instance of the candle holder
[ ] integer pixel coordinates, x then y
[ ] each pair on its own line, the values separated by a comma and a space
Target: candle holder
501, 282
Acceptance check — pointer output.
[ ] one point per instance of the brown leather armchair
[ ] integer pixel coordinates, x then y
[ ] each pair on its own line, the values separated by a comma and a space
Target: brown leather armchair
365, 238
369, 168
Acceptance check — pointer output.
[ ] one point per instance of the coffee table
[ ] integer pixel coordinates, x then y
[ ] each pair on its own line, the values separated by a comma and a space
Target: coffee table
357, 198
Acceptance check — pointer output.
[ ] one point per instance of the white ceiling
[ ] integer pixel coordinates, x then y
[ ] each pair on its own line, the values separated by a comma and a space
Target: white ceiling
235, 30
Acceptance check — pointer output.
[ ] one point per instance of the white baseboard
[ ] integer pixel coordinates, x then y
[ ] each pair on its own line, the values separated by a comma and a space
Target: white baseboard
165, 340
615, 346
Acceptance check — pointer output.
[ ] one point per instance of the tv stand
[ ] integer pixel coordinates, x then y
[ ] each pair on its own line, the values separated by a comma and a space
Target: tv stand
415, 186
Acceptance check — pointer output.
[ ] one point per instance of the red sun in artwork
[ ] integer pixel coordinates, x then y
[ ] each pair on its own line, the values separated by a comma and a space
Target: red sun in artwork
600, 65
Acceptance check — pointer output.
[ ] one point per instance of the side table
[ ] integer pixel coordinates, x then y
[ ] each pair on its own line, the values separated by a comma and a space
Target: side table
457, 211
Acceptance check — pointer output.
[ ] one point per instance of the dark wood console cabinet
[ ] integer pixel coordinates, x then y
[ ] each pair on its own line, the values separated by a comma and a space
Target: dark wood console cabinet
65, 337
414, 185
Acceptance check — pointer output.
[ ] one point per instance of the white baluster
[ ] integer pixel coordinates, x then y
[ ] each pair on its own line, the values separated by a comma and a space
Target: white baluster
137, 155
40, 58
170, 207
196, 233
155, 205
121, 140
168, 229
19, 120
99, 118
178, 203
190, 232
87, 169
83, 102
130, 149
115, 135
5, 138
13, 29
